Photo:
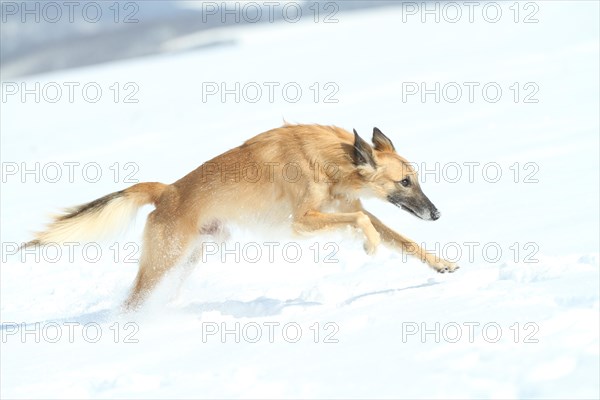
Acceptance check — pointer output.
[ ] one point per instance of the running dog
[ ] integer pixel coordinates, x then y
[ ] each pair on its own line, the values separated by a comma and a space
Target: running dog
308, 177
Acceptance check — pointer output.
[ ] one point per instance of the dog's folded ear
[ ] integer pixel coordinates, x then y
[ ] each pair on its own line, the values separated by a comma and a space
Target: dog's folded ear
363, 153
382, 142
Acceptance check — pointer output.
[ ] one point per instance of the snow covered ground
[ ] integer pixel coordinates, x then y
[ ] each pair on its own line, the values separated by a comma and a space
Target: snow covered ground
520, 319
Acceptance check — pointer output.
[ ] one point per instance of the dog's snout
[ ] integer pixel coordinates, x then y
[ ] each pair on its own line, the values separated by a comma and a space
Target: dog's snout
435, 214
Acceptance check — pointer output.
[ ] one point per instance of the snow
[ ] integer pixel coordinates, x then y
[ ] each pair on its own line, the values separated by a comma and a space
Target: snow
541, 295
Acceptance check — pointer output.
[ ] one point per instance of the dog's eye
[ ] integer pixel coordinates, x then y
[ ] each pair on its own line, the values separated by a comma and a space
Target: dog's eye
405, 182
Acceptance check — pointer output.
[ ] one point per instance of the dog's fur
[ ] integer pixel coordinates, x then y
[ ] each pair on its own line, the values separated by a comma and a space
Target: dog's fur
308, 176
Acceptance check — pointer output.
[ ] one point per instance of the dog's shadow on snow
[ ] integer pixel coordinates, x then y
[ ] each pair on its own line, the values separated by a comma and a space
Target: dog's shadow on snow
260, 307
264, 307
387, 291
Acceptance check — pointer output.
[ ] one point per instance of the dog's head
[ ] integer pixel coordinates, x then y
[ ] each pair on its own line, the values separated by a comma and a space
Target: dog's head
390, 177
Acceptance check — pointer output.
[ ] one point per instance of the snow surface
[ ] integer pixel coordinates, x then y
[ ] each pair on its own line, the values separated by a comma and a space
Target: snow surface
373, 303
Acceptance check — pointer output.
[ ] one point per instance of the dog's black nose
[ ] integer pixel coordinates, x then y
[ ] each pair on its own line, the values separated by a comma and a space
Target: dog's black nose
435, 214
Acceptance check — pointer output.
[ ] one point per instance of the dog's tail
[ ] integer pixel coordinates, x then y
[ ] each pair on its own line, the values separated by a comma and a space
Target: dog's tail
100, 218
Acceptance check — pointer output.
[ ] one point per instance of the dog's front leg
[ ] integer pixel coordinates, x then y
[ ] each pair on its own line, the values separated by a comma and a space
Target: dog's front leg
315, 220
393, 238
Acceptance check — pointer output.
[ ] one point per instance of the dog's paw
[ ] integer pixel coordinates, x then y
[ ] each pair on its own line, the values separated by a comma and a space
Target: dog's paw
447, 267
453, 268
370, 247
442, 266
372, 241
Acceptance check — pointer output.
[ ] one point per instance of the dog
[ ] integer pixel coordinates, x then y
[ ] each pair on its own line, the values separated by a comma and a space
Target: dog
309, 177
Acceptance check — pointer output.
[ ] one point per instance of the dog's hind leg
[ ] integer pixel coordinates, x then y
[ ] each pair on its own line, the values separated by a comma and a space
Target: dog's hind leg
165, 245
187, 267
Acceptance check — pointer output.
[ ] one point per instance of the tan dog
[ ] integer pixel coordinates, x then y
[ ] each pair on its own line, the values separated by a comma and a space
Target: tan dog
309, 176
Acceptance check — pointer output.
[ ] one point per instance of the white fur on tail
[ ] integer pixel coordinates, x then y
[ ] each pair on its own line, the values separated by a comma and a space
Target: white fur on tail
96, 224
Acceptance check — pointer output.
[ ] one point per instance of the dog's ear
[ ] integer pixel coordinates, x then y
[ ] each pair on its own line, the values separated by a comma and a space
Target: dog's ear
363, 154
382, 142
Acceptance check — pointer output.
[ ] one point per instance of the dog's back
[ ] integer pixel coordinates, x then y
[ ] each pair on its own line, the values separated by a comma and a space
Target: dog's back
277, 166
